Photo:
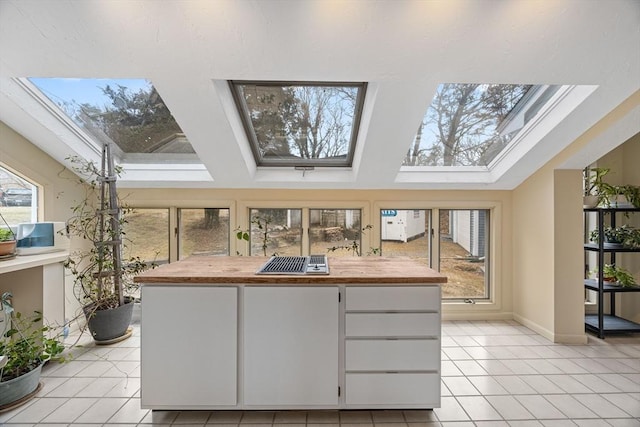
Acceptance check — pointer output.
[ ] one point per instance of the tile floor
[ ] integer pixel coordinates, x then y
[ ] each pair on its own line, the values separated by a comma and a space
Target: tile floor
494, 374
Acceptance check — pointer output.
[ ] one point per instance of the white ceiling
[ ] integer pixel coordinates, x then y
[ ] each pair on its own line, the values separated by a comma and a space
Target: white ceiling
403, 49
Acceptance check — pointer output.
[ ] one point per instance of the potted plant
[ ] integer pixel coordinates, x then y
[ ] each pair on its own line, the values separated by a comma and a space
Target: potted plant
24, 348
624, 236
625, 195
616, 275
103, 279
594, 186
7, 243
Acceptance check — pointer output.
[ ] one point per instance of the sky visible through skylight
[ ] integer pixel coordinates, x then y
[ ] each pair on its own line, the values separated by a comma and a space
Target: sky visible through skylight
127, 112
467, 125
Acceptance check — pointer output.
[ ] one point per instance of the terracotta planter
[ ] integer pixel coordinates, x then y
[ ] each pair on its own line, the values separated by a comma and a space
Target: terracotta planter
7, 247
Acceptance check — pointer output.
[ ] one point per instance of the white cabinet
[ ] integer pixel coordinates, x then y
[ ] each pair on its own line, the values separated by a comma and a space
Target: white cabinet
290, 346
189, 346
392, 347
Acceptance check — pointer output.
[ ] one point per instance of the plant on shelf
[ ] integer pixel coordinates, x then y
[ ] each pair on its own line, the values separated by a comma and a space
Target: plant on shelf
7, 240
608, 195
624, 236
103, 279
611, 273
629, 192
24, 347
594, 186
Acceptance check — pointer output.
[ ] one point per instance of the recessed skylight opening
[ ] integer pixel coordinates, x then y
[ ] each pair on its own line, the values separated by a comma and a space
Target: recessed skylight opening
471, 124
129, 113
300, 124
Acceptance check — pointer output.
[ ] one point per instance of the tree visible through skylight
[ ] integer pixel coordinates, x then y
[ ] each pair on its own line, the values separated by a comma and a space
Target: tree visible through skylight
467, 125
127, 112
300, 123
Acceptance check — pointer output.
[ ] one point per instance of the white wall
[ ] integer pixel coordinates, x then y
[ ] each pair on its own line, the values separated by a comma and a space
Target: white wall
59, 189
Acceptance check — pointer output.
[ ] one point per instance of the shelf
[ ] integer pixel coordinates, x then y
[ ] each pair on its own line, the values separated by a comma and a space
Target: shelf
611, 210
592, 284
606, 217
593, 247
612, 324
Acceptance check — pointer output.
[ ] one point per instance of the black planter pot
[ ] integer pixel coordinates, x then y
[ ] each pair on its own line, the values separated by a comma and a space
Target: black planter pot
109, 324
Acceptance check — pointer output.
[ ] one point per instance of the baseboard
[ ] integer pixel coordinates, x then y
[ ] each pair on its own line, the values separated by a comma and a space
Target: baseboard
550, 335
476, 316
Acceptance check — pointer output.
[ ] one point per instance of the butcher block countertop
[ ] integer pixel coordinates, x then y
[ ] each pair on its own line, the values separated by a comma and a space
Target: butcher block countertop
242, 269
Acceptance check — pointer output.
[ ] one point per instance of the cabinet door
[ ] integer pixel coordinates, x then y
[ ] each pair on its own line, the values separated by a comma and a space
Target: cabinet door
188, 347
290, 346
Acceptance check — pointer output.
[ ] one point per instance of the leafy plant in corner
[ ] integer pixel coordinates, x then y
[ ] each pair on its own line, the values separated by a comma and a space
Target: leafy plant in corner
27, 344
103, 279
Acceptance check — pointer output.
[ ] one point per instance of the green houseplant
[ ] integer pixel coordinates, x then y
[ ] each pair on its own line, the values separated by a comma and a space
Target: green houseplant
103, 279
624, 236
611, 273
606, 195
7, 242
25, 346
594, 186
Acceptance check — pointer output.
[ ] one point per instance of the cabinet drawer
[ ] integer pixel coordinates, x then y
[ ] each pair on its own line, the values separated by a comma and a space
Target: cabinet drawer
417, 390
393, 355
387, 298
393, 324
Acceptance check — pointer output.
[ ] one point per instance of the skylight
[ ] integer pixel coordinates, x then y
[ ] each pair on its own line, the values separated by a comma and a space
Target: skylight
471, 124
127, 112
300, 124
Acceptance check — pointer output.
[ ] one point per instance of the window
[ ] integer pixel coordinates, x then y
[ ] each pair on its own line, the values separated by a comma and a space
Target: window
203, 231
337, 231
464, 244
147, 235
127, 112
471, 124
276, 232
18, 199
405, 232
300, 124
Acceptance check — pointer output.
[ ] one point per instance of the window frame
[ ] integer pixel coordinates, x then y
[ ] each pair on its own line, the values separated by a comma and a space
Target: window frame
458, 308
247, 124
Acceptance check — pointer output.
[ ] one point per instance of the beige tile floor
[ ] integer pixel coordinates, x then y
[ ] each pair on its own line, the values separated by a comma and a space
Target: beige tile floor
494, 374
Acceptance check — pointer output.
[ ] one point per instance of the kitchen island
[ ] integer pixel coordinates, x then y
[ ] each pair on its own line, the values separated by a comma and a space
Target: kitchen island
215, 335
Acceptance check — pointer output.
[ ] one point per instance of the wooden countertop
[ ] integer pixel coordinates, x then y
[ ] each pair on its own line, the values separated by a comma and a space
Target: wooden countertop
342, 270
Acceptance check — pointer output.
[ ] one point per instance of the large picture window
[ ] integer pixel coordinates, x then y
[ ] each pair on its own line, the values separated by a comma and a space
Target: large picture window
276, 232
405, 232
147, 235
336, 232
203, 231
18, 199
464, 249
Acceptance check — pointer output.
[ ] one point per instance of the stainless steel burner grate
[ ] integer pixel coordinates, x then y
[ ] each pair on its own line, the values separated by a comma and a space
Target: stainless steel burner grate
314, 264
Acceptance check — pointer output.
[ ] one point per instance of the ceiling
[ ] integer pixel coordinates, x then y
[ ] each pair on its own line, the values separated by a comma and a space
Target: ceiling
402, 49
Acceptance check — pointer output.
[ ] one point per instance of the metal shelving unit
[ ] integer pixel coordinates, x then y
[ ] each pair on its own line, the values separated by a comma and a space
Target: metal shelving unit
608, 323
